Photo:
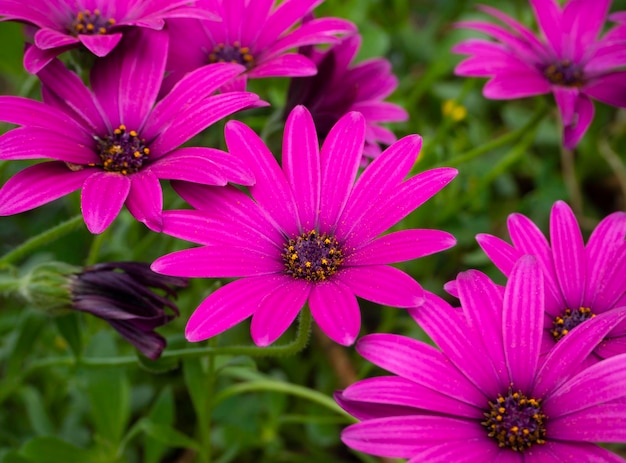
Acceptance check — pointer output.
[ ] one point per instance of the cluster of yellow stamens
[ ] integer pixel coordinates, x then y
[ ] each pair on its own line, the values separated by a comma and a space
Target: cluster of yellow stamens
568, 320
123, 151
91, 23
515, 421
235, 53
312, 256
565, 73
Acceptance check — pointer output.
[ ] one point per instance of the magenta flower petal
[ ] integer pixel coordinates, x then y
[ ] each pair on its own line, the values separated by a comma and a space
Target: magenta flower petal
301, 165
404, 437
580, 281
340, 155
572, 62
48, 38
146, 185
286, 227
100, 45
277, 311
335, 309
102, 198
568, 250
37, 143
290, 64
228, 306
384, 285
523, 308
401, 246
39, 184
22, 111
271, 190
531, 410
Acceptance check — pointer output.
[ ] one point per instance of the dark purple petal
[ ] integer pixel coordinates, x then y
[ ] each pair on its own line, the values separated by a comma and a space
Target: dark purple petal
149, 343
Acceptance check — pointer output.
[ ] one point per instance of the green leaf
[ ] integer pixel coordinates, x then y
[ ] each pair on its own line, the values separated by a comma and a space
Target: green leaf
36, 410
161, 413
159, 366
53, 450
170, 436
196, 380
69, 327
28, 330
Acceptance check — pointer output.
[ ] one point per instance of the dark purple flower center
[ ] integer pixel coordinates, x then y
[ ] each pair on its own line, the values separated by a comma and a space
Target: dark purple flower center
90, 23
568, 320
235, 53
514, 421
312, 256
123, 151
564, 73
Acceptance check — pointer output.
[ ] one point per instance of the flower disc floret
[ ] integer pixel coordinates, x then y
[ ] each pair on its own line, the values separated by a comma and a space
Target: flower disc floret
568, 320
565, 73
235, 53
516, 421
312, 256
123, 151
90, 23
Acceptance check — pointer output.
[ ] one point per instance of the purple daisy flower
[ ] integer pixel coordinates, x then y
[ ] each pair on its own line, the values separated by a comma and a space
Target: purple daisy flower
486, 394
570, 61
256, 34
307, 234
97, 25
338, 88
117, 141
581, 281
128, 296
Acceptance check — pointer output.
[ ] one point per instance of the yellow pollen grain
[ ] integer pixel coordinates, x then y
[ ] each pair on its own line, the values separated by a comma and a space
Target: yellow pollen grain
90, 27
132, 133
111, 21
102, 31
501, 410
146, 151
80, 16
307, 264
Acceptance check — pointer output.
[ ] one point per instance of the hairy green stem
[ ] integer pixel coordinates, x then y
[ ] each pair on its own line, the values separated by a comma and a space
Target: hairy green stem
46, 237
295, 346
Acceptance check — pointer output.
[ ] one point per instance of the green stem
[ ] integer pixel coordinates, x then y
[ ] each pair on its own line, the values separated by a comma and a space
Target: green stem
295, 346
46, 237
502, 140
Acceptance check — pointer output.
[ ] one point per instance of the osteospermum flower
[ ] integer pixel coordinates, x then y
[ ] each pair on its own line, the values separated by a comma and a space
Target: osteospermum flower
582, 281
131, 298
308, 234
97, 25
569, 60
117, 142
486, 394
256, 34
338, 88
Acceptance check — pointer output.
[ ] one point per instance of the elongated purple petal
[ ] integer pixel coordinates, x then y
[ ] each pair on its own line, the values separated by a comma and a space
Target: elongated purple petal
48, 38
38, 143
145, 199
301, 165
278, 310
608, 89
404, 437
548, 14
584, 111
100, 45
198, 117
102, 198
23, 111
420, 363
522, 321
566, 98
583, 425
335, 309
568, 251
511, 85
600, 383
340, 156
271, 190
464, 451
562, 360
401, 246
288, 64
229, 305
383, 284
217, 262
282, 18
39, 184
501, 253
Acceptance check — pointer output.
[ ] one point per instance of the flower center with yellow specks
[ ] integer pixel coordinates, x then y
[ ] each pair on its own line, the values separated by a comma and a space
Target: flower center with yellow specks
235, 53
123, 151
515, 421
312, 256
91, 23
564, 73
568, 320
